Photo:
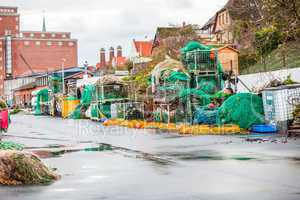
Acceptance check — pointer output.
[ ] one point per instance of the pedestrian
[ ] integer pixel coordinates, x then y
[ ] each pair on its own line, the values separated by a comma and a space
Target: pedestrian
4, 116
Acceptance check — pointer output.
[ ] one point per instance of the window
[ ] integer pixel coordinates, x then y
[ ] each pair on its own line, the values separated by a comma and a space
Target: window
21, 35
37, 43
223, 21
26, 43
42, 35
49, 43
63, 35
31, 34
17, 27
60, 43
252, 4
17, 19
53, 35
226, 18
0, 18
70, 44
219, 19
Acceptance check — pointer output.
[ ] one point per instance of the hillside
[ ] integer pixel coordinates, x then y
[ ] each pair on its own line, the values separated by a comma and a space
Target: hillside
275, 61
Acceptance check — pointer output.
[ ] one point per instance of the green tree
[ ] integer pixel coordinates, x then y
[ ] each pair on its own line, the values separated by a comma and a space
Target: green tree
284, 15
266, 40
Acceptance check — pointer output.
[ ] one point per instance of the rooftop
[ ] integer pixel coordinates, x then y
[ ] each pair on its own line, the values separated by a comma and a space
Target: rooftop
143, 48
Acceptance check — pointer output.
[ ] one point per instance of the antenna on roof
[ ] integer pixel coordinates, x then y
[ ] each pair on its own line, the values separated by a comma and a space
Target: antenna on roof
44, 22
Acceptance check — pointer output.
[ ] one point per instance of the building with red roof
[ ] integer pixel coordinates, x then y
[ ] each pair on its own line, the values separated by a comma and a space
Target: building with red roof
142, 48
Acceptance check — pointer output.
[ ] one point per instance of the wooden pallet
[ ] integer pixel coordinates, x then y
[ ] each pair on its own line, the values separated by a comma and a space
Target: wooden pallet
294, 132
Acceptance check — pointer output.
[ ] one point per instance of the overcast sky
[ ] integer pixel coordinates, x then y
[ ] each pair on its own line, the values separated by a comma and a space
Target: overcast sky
105, 23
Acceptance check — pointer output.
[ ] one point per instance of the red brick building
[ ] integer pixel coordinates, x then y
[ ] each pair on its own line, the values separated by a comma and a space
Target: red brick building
114, 60
24, 53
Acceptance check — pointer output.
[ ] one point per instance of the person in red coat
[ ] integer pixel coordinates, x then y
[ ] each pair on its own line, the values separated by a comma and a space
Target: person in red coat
4, 116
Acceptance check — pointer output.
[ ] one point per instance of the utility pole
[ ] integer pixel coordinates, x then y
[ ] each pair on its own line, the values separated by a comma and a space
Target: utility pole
85, 65
63, 74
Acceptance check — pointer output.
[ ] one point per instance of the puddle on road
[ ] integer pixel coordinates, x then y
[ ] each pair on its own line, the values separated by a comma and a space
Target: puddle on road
51, 146
48, 153
204, 155
37, 138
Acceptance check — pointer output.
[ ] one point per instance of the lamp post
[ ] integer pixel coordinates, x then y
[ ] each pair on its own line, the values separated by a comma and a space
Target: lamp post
63, 74
85, 64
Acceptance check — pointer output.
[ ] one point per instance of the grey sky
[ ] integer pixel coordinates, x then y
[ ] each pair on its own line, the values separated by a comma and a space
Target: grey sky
105, 23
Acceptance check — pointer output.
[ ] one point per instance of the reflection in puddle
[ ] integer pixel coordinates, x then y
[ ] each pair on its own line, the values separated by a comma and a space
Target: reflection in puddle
50, 153
205, 155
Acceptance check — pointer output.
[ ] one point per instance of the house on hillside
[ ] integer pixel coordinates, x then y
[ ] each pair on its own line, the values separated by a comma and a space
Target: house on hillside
230, 25
169, 40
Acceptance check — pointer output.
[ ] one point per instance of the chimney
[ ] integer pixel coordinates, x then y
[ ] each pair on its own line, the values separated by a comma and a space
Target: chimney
111, 54
119, 51
102, 57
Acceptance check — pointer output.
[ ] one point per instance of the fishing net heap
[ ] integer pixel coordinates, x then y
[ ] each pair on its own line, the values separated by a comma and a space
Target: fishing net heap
243, 109
204, 115
2, 105
18, 168
8, 145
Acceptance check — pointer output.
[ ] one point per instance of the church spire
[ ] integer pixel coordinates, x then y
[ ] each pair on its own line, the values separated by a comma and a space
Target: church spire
44, 22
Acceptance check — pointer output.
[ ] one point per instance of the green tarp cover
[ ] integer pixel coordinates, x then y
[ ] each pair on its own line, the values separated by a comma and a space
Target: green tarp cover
204, 98
42, 97
55, 84
177, 76
85, 102
87, 95
71, 98
193, 45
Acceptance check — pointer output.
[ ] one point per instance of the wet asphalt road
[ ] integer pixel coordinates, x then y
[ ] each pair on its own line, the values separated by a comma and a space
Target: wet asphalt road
98, 162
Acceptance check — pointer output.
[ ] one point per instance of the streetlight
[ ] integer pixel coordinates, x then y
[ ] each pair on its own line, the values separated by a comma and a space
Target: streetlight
85, 64
63, 74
